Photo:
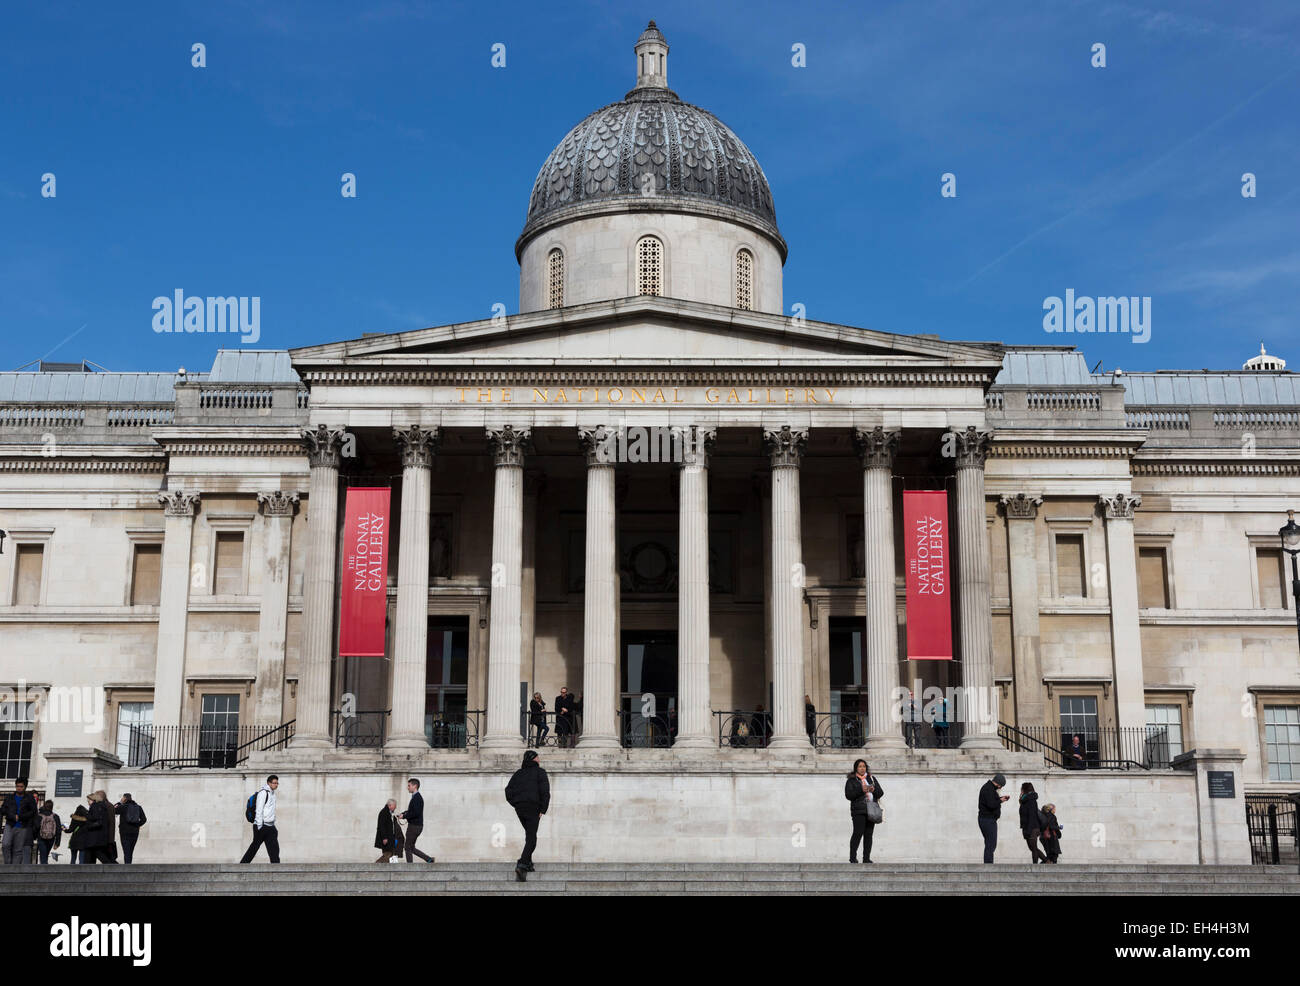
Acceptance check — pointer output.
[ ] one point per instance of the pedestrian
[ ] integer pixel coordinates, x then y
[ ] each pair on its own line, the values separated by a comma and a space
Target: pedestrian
911, 721
388, 833
863, 792
49, 830
130, 818
810, 718
990, 811
576, 710
941, 724
1051, 833
414, 816
564, 718
529, 794
264, 830
77, 835
19, 813
538, 719
99, 844
1031, 827
1076, 755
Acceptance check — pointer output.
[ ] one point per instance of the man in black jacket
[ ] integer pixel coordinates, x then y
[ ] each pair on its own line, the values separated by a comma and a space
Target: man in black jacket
130, 818
19, 810
990, 811
529, 794
414, 816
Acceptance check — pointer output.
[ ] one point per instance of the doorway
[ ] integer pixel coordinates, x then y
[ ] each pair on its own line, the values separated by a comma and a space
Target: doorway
648, 688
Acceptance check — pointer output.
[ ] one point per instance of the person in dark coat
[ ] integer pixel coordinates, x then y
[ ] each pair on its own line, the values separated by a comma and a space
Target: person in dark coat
19, 811
990, 810
1076, 755
564, 718
130, 819
100, 846
44, 819
810, 719
537, 708
1031, 827
529, 794
77, 835
388, 833
862, 791
414, 818
1051, 833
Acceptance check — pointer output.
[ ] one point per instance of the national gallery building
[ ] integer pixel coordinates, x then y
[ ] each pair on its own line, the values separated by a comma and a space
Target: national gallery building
657, 489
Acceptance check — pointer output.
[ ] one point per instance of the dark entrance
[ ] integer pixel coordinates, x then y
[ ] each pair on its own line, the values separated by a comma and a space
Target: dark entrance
846, 726
648, 688
446, 681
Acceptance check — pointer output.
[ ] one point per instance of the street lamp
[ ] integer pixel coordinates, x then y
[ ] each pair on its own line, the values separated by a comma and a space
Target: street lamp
1290, 535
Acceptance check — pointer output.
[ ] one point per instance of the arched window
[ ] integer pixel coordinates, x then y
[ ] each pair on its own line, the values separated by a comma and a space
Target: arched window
555, 279
649, 266
745, 280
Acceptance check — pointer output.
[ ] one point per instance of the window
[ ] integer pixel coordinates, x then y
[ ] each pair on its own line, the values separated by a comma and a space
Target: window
1272, 585
228, 578
17, 721
1282, 741
1079, 718
745, 280
146, 575
219, 731
1153, 578
1069, 565
135, 733
28, 569
649, 266
555, 279
1164, 734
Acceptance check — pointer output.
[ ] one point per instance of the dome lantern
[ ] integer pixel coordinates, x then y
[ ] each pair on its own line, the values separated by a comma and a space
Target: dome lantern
651, 59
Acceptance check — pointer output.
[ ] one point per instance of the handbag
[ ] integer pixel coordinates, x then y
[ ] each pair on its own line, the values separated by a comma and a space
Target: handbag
874, 814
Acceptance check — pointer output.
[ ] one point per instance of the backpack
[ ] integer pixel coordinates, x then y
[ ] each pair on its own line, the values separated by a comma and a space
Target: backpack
133, 816
49, 827
250, 812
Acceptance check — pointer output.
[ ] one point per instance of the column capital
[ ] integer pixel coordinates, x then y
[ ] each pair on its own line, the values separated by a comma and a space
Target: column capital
1021, 506
697, 445
785, 446
876, 447
599, 444
972, 447
322, 444
277, 503
509, 444
1120, 506
180, 503
418, 445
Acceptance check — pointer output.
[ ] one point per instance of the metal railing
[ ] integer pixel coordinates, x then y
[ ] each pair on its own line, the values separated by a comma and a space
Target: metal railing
1271, 822
636, 731
549, 728
454, 730
742, 729
205, 747
1105, 748
366, 729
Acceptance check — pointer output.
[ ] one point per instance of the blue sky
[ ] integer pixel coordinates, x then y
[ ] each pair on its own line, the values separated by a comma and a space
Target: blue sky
224, 180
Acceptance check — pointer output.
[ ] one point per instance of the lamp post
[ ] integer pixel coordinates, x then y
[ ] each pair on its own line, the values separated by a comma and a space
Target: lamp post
1290, 535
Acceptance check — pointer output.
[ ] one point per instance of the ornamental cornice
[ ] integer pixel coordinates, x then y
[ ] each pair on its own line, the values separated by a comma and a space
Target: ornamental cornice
82, 465
1244, 467
632, 376
1060, 450
289, 447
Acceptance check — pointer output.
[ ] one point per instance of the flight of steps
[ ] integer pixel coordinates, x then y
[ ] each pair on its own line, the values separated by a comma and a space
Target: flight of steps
353, 879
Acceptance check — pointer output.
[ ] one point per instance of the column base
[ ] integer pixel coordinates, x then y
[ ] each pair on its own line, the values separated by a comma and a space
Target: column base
406, 743
587, 742
797, 743
510, 743
989, 742
306, 741
887, 745
695, 743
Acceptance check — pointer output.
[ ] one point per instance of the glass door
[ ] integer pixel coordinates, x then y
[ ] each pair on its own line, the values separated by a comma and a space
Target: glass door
648, 696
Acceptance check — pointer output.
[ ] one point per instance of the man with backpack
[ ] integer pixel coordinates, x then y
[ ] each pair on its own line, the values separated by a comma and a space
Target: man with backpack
529, 794
130, 818
49, 830
260, 810
19, 811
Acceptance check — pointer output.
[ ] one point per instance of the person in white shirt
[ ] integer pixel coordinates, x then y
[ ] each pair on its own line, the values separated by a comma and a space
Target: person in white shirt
264, 823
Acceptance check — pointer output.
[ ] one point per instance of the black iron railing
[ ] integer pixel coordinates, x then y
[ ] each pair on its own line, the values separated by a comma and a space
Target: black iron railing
638, 731
359, 729
743, 729
206, 747
1271, 821
454, 730
547, 728
1109, 748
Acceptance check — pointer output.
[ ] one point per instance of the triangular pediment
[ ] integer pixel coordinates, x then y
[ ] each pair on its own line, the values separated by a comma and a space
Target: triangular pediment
647, 329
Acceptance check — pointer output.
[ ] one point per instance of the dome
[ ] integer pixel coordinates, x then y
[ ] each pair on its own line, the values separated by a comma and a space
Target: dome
652, 152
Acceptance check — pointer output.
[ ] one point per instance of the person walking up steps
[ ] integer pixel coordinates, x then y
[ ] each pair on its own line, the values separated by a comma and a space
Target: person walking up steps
414, 817
529, 794
1031, 826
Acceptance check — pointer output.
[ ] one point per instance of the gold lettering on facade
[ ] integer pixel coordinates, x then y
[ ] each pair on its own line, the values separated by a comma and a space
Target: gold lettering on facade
541, 396
644, 395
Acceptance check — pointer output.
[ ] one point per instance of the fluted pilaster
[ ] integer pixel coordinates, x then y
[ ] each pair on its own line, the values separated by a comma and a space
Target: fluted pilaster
601, 596
693, 709
785, 448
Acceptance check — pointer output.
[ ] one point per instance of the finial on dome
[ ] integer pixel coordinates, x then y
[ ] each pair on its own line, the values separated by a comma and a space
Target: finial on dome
651, 59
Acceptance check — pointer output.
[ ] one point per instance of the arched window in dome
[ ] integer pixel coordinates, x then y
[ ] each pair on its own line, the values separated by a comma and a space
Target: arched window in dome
555, 279
744, 280
649, 266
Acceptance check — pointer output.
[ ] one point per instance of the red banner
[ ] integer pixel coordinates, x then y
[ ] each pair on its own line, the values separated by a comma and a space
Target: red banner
929, 602
365, 572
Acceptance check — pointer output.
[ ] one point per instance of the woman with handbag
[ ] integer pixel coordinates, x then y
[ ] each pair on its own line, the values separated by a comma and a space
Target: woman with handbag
863, 792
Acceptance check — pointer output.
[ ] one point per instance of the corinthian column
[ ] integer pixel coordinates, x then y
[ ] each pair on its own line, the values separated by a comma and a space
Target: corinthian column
876, 449
505, 632
312, 730
601, 595
1125, 632
277, 508
410, 641
979, 704
173, 605
786, 448
693, 726
1026, 650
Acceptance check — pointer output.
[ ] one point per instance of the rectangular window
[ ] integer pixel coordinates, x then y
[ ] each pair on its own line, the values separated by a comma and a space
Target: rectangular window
17, 722
1164, 739
28, 569
1069, 565
1272, 594
135, 733
1153, 575
1079, 719
219, 731
146, 575
1282, 741
228, 579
